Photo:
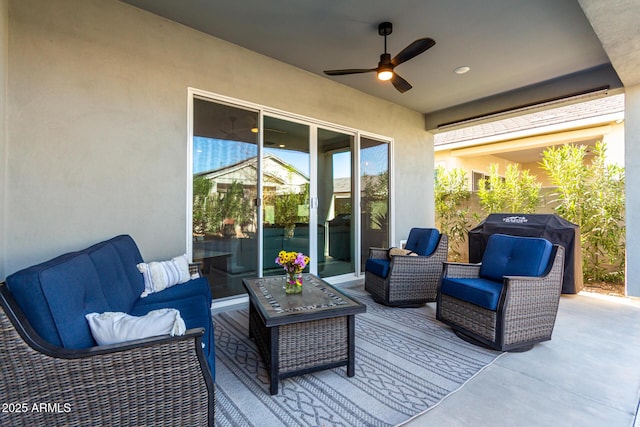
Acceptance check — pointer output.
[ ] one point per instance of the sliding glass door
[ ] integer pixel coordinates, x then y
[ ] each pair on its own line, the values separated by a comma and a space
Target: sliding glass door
225, 182
285, 191
374, 196
265, 182
335, 189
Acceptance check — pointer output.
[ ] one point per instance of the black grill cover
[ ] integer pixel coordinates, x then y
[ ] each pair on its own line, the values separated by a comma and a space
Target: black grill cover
552, 227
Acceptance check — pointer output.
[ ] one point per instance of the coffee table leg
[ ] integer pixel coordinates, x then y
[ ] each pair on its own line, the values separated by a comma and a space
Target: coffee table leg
351, 347
275, 360
251, 314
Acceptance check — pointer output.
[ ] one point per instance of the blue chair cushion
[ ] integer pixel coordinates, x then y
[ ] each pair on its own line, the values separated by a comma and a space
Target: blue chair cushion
514, 256
423, 241
482, 292
379, 267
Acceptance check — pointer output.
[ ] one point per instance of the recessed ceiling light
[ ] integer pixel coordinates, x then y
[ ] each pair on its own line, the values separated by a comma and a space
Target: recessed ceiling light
462, 69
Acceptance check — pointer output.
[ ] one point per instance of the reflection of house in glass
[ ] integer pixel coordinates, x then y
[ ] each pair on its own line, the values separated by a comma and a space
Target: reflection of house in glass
225, 216
281, 180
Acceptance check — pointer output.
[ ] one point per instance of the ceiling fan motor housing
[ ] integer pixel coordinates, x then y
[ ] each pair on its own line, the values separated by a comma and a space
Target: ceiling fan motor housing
385, 28
385, 59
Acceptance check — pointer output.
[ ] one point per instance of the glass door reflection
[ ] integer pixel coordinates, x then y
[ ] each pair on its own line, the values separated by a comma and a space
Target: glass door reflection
335, 203
285, 194
374, 201
225, 155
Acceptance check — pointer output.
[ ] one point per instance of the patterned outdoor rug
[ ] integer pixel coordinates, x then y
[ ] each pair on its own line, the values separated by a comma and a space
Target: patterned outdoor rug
406, 362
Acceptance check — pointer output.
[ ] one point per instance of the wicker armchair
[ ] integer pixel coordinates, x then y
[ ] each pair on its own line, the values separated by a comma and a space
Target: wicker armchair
160, 381
526, 306
407, 280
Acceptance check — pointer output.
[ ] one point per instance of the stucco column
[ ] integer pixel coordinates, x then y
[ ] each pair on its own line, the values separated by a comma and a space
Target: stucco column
632, 173
4, 66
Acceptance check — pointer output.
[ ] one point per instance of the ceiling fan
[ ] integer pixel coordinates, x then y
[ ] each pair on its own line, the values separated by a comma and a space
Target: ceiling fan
232, 136
385, 68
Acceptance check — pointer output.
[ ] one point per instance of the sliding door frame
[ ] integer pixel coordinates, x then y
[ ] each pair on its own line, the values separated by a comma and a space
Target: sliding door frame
314, 124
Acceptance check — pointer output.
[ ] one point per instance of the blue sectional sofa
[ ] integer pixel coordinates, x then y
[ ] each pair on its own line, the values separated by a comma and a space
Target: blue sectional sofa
51, 300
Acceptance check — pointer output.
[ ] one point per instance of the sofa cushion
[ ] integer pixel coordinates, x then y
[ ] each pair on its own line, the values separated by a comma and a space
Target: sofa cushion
26, 289
116, 286
514, 256
482, 292
199, 286
196, 312
130, 256
422, 241
379, 267
72, 289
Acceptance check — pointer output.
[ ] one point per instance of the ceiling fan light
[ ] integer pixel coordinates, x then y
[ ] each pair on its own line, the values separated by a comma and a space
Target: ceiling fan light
385, 74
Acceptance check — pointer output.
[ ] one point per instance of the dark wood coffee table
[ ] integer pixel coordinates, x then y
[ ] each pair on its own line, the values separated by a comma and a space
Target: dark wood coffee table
307, 332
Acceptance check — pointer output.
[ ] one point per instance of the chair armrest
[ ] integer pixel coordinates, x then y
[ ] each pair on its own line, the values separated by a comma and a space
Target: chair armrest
400, 261
195, 267
379, 253
63, 353
538, 297
442, 250
549, 284
461, 270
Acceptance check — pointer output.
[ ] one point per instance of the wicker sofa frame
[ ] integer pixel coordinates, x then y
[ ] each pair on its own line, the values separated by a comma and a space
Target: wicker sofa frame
526, 311
159, 381
412, 280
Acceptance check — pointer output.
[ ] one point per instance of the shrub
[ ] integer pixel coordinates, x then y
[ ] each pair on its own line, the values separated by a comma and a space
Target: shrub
591, 196
452, 210
517, 192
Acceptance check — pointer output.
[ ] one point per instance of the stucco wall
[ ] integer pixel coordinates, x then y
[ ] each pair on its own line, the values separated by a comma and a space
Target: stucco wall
632, 177
97, 135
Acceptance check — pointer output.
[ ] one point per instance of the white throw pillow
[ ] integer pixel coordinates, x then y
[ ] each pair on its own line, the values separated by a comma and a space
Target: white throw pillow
182, 263
159, 275
115, 327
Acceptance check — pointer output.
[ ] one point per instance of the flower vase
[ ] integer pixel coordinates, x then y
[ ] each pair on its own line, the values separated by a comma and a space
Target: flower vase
293, 284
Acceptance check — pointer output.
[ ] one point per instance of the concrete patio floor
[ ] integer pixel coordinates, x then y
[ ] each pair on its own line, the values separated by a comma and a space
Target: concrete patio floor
587, 375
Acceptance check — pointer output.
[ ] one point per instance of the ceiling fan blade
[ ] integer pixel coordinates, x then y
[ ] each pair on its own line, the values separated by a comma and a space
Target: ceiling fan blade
349, 71
413, 50
400, 84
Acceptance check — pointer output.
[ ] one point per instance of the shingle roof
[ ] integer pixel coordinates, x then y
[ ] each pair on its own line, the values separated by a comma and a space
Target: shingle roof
568, 113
